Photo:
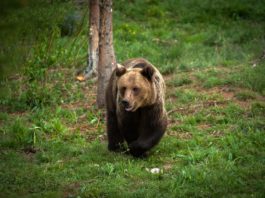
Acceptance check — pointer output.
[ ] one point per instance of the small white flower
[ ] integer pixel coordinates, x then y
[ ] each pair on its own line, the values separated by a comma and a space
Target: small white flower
154, 170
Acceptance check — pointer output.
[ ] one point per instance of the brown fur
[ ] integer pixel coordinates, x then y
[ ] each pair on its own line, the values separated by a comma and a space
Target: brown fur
135, 107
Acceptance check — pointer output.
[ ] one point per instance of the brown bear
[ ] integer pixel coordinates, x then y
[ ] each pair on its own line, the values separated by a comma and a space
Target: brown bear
135, 107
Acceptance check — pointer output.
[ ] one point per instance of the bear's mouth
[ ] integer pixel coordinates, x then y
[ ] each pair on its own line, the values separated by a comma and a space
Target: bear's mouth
130, 108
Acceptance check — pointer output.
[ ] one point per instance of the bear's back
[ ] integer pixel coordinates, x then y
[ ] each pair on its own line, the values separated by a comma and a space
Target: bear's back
136, 63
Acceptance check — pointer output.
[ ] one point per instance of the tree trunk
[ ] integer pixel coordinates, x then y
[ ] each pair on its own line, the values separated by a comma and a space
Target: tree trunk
94, 17
107, 61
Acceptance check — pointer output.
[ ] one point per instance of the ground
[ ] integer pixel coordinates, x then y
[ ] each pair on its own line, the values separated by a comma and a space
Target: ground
53, 138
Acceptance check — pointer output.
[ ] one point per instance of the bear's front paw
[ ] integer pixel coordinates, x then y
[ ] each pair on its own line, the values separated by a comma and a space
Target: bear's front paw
116, 147
137, 150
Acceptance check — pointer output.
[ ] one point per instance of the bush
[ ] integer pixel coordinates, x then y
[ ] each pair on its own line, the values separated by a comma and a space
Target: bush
254, 78
19, 135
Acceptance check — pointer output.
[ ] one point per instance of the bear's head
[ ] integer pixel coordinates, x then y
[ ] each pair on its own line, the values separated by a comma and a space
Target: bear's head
135, 86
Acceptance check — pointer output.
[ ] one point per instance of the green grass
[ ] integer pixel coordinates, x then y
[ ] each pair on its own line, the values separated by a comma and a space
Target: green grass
245, 95
180, 81
53, 138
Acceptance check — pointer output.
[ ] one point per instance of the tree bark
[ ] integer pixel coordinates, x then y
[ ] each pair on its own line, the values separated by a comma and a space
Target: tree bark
94, 19
107, 60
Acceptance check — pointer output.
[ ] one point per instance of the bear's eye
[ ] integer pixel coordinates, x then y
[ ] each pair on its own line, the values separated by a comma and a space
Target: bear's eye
123, 89
136, 89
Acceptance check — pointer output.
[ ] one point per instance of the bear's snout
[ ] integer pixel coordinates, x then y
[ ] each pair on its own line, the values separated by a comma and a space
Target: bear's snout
127, 106
125, 103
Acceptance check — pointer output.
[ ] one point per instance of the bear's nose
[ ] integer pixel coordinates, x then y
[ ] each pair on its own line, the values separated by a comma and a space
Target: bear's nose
125, 103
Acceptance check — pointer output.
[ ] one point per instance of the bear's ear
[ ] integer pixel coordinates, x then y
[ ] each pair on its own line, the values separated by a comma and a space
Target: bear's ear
148, 72
120, 70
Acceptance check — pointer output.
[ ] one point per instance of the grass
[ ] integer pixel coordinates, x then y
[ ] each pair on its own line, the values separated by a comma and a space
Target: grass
180, 81
53, 140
